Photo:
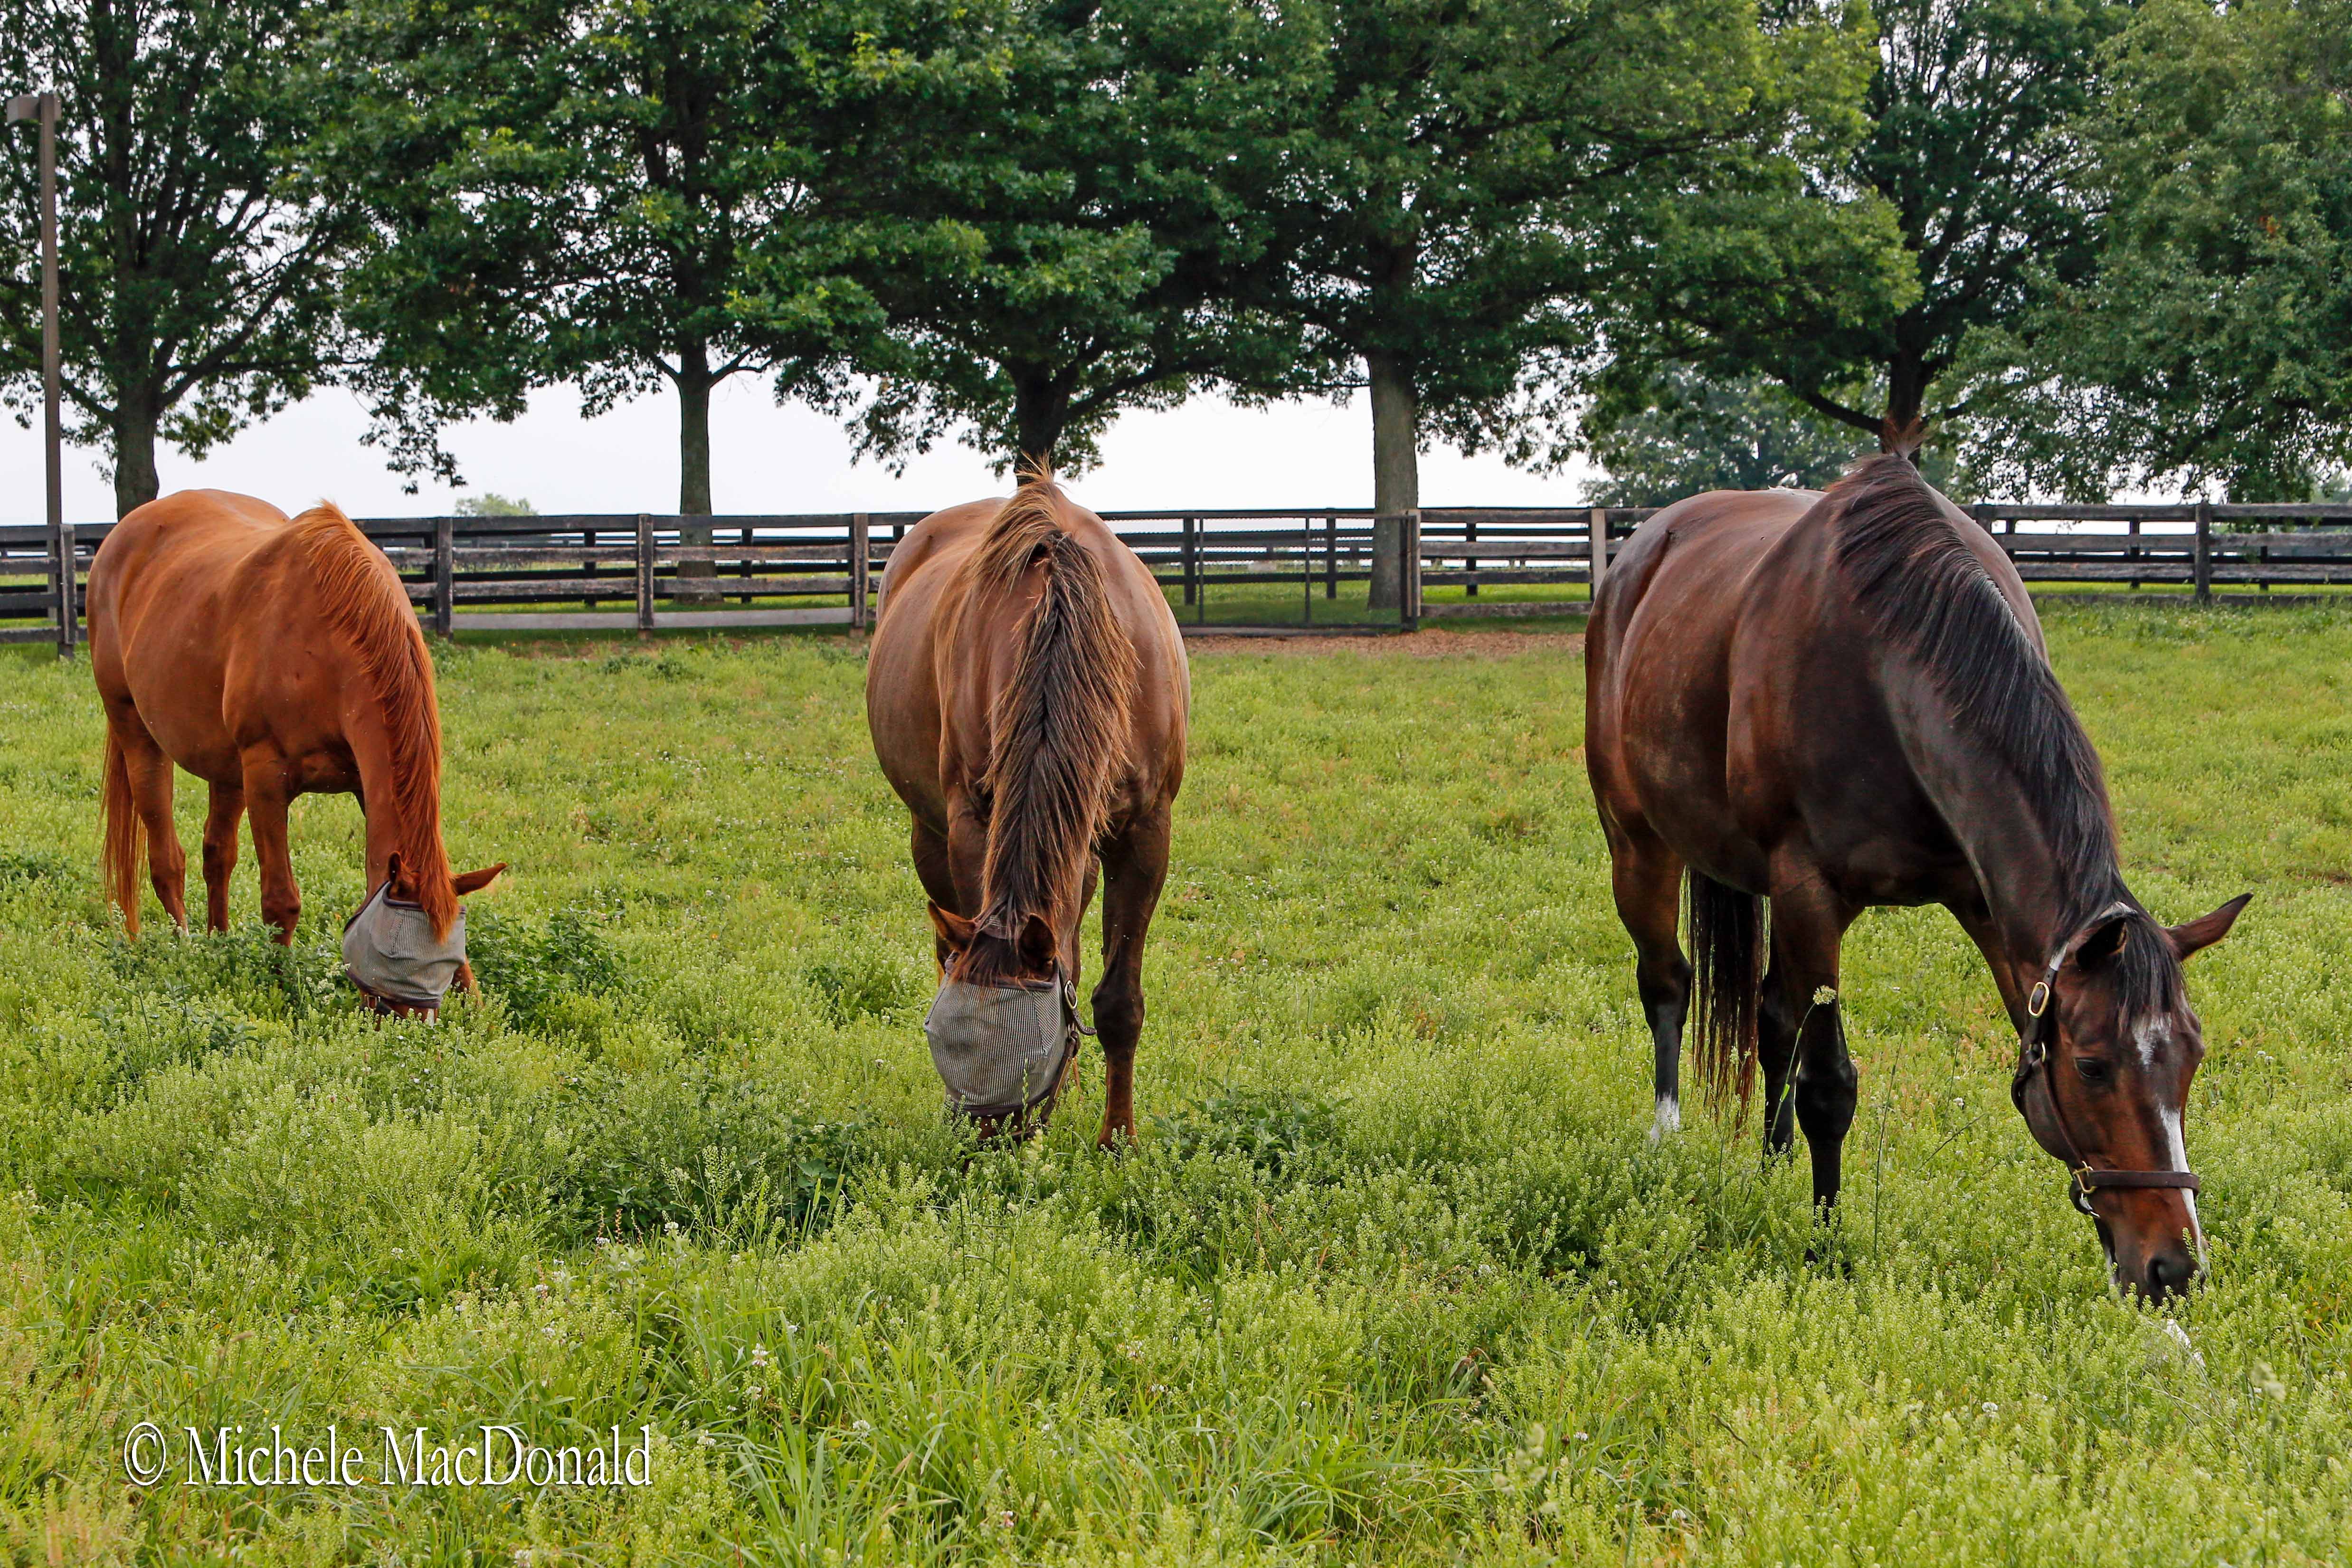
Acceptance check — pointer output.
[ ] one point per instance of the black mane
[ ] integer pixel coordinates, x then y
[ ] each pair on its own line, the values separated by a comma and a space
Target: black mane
1903, 557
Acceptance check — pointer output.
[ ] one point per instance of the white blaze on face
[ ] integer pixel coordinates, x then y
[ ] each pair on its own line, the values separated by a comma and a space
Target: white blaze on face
2176, 1154
2152, 1037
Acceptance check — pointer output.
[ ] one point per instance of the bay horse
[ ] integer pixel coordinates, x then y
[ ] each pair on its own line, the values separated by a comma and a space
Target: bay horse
1826, 702
1028, 696
272, 658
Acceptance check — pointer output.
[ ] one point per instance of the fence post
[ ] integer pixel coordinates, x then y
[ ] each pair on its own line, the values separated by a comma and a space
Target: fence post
861, 552
645, 573
1409, 573
68, 570
1189, 554
1307, 570
1470, 566
1332, 555
2204, 551
1598, 528
445, 575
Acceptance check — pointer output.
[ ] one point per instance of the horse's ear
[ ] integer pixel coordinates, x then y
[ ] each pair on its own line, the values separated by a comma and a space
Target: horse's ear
2104, 941
953, 928
2206, 930
474, 881
394, 878
1036, 944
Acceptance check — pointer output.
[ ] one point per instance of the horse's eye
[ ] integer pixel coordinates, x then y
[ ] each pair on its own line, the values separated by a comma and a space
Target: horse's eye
2094, 1069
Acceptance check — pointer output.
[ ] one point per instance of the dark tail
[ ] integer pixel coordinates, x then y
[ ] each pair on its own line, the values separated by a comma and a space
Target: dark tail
126, 835
1727, 938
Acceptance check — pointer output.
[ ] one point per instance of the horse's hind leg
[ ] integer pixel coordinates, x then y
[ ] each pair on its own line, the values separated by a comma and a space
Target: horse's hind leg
150, 775
1135, 867
1646, 877
220, 851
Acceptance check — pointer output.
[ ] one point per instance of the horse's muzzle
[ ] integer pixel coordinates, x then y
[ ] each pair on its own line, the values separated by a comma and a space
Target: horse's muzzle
1000, 1050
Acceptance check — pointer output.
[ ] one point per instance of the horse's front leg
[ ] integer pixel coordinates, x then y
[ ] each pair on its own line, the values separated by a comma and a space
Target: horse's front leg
221, 816
1135, 867
265, 801
1808, 927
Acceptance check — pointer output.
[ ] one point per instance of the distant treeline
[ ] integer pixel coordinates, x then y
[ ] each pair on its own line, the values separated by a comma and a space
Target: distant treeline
2074, 244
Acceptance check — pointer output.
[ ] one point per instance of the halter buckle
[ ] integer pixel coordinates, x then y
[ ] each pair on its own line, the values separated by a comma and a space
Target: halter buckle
2079, 1191
2037, 1001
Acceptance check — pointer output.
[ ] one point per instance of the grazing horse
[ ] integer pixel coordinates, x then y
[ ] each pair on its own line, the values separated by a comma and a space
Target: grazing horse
1831, 701
273, 658
1028, 696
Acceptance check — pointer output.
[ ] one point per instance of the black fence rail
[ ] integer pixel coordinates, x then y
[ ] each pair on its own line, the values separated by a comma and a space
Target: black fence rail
649, 571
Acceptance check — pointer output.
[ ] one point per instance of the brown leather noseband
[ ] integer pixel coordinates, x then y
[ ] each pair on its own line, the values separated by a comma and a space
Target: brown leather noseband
2037, 1044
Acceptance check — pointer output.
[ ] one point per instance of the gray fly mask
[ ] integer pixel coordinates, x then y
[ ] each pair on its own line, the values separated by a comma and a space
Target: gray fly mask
1001, 1049
390, 953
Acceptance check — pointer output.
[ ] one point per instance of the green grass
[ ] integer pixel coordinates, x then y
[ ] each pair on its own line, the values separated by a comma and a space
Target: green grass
1392, 1277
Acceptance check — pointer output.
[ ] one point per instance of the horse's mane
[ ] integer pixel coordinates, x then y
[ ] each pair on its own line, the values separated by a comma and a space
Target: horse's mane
1923, 589
362, 598
1058, 727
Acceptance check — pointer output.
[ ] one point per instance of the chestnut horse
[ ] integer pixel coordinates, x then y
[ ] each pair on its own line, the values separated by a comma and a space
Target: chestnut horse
270, 658
1028, 696
1831, 701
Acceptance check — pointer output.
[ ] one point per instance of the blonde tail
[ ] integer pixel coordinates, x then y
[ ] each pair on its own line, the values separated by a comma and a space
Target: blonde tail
126, 835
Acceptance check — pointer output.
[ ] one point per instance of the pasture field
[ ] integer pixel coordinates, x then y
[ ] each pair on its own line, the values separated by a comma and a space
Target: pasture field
1393, 1276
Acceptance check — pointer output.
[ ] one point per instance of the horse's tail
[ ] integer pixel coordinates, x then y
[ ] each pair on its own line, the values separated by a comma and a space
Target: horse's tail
1727, 937
1060, 723
126, 835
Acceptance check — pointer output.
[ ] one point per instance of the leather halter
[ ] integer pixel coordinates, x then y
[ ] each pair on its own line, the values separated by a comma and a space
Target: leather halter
2035, 1050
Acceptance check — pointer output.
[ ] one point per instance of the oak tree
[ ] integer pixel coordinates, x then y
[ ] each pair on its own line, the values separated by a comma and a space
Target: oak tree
200, 257
1468, 187
2214, 341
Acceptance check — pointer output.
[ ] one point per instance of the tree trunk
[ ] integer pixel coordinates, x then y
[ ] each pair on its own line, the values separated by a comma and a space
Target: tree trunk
1903, 430
1396, 473
135, 481
1040, 409
697, 580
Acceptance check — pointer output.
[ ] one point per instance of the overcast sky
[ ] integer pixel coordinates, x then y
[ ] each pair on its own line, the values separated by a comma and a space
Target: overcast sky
769, 460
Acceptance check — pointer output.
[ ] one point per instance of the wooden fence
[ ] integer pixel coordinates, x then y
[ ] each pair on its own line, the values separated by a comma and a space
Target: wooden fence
561, 572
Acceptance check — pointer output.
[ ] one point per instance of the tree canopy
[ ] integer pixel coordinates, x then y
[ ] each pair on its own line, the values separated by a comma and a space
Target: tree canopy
1467, 188
1974, 150
200, 258
1058, 204
2214, 341
574, 190
1695, 435
2104, 241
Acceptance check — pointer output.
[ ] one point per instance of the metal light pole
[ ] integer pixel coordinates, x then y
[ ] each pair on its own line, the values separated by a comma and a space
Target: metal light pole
42, 108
